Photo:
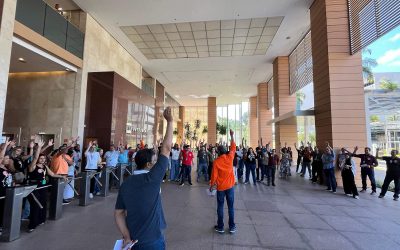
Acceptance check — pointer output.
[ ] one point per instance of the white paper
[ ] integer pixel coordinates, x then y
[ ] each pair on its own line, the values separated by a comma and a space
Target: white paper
212, 193
118, 244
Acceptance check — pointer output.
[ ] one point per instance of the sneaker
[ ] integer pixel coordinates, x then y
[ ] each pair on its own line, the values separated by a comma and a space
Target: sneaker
381, 196
41, 224
163, 181
190, 184
66, 202
363, 190
219, 230
98, 193
182, 184
232, 230
349, 195
396, 198
91, 196
356, 197
373, 192
328, 189
246, 183
273, 184
334, 192
302, 175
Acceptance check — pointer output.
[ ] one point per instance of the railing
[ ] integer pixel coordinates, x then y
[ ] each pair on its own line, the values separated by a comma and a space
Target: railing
41, 18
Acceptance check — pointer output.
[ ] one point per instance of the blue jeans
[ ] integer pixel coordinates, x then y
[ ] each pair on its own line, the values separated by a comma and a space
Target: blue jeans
230, 198
251, 167
202, 168
306, 166
174, 170
330, 178
155, 245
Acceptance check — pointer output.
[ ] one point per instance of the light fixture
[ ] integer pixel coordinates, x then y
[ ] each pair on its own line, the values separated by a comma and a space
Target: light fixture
288, 37
21, 60
67, 69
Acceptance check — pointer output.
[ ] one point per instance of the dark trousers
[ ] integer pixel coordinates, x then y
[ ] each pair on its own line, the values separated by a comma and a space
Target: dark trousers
349, 185
209, 169
306, 166
391, 176
240, 169
2, 203
229, 194
330, 178
298, 163
251, 168
37, 215
155, 245
317, 169
186, 173
366, 171
263, 171
271, 174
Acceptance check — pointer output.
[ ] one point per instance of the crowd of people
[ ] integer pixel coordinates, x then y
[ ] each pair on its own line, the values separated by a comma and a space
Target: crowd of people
220, 165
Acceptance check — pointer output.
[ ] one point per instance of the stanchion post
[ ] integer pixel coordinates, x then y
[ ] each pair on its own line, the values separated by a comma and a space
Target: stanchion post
105, 181
84, 189
120, 173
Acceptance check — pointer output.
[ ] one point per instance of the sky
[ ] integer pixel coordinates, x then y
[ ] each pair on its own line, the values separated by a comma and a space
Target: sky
386, 51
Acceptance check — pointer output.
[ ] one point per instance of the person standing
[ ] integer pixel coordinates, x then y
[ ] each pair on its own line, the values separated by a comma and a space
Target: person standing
259, 156
187, 162
202, 163
93, 161
250, 166
139, 212
224, 179
317, 166
300, 152
306, 165
392, 173
273, 163
211, 157
239, 154
368, 163
328, 159
175, 152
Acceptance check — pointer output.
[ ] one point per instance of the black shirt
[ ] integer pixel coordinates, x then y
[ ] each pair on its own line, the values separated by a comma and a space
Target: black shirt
393, 164
140, 196
251, 158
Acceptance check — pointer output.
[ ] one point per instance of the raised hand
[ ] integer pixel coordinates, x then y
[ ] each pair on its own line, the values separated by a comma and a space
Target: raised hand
50, 143
231, 132
31, 144
168, 114
40, 143
90, 144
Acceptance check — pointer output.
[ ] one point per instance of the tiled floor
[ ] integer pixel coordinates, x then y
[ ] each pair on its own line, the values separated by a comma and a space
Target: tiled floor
293, 215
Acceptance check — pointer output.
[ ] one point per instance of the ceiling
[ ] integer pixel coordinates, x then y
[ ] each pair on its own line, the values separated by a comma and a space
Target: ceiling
192, 78
241, 37
33, 62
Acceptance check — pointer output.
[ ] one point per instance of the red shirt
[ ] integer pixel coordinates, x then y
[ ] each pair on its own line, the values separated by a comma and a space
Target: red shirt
187, 157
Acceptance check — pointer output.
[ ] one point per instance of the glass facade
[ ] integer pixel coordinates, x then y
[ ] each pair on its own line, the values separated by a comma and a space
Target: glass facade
235, 117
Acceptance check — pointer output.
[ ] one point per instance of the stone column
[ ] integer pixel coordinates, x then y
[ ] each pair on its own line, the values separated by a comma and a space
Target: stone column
180, 124
264, 114
253, 122
7, 13
212, 120
283, 103
338, 83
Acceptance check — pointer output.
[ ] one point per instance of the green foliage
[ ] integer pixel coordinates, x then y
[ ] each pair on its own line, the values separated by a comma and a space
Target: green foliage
367, 64
388, 85
374, 118
175, 131
393, 118
300, 97
197, 124
222, 130
205, 130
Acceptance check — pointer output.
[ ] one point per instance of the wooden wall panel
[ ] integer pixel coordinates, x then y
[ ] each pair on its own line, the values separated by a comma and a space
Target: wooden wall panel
253, 122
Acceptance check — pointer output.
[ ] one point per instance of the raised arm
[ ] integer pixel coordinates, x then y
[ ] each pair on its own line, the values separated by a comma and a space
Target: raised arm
36, 156
166, 146
88, 148
4, 149
232, 149
49, 144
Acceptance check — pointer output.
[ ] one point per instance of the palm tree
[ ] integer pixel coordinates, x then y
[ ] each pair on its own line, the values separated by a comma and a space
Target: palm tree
374, 118
388, 85
300, 97
367, 64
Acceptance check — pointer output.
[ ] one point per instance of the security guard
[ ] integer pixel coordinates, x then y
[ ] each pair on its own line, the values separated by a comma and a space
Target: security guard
392, 173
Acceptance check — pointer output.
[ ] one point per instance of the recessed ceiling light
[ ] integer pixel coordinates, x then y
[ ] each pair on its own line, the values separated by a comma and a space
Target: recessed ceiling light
67, 69
288, 37
21, 60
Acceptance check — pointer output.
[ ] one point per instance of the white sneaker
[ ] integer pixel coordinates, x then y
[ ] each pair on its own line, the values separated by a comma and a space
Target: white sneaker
356, 197
91, 196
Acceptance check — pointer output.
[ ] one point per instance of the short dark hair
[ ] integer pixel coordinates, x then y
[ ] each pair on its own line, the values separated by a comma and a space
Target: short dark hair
143, 157
221, 150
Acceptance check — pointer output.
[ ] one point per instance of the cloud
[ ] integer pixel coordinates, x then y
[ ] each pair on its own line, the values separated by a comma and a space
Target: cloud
395, 38
389, 56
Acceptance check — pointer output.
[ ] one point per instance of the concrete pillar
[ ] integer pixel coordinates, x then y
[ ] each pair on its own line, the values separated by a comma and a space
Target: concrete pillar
338, 83
253, 120
212, 120
7, 18
283, 102
181, 124
264, 114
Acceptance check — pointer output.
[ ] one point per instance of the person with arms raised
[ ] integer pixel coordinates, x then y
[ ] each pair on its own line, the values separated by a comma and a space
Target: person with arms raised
138, 211
223, 177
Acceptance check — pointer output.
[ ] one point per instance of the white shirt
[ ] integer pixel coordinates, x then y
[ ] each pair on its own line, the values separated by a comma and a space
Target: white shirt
92, 159
175, 154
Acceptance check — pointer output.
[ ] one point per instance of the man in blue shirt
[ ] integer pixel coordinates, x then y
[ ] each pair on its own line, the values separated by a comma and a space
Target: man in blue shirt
112, 157
138, 211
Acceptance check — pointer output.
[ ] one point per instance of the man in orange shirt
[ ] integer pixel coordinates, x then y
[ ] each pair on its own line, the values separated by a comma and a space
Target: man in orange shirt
223, 177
